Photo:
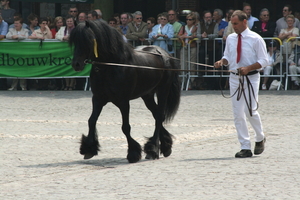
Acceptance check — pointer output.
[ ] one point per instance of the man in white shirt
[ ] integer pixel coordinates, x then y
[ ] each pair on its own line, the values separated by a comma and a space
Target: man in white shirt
244, 66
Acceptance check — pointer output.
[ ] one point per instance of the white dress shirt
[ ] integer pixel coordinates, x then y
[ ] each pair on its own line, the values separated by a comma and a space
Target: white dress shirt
253, 50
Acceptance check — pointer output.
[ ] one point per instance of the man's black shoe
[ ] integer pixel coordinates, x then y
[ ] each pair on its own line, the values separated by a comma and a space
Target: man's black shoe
259, 147
244, 153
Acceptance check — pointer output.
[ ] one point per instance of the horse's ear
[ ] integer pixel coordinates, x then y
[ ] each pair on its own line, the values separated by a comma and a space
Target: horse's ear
87, 24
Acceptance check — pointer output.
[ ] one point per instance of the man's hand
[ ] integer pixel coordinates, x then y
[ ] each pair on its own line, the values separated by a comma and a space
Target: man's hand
243, 70
218, 64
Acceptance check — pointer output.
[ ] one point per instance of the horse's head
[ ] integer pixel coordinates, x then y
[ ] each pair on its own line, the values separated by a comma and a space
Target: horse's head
82, 38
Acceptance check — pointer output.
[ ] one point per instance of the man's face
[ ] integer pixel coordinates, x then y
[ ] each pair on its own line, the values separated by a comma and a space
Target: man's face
207, 18
216, 16
112, 23
124, 19
4, 3
285, 11
237, 25
73, 12
265, 16
171, 15
81, 17
138, 19
247, 10
18, 25
90, 17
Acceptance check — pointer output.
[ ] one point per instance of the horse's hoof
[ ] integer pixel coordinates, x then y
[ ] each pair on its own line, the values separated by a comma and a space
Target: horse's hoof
167, 153
88, 156
152, 156
133, 158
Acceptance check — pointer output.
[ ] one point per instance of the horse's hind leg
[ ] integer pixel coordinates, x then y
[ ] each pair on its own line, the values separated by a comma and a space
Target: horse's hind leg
134, 148
90, 144
151, 148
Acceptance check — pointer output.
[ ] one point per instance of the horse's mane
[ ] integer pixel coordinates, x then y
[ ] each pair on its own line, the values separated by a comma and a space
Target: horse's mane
111, 45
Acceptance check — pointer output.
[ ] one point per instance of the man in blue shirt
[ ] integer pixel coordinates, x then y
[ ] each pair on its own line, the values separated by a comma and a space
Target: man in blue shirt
3, 28
124, 22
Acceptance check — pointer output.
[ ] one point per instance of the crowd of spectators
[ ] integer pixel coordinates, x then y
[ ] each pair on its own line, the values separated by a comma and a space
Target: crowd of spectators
161, 30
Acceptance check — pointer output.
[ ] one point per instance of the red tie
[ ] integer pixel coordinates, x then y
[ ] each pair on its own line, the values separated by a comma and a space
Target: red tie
239, 49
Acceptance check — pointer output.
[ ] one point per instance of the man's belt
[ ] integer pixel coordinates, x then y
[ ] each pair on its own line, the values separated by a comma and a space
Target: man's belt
250, 73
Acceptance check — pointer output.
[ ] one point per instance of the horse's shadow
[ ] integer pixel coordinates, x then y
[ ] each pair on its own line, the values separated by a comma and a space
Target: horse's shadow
101, 163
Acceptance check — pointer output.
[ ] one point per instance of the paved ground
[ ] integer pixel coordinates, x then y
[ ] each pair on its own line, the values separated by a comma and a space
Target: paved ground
40, 133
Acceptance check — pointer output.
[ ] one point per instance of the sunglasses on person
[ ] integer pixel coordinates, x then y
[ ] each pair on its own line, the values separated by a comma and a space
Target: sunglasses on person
163, 19
139, 18
71, 11
189, 19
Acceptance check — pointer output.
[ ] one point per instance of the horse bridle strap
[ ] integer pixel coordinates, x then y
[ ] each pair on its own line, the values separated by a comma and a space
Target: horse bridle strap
147, 67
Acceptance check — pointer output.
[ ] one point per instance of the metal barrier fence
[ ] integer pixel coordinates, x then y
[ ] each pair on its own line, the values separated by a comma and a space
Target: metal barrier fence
292, 49
208, 51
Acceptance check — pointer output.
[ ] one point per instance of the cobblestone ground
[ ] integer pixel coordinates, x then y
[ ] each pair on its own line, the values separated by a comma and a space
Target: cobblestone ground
40, 133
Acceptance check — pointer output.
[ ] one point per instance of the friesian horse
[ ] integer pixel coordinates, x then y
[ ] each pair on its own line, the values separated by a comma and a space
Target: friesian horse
98, 42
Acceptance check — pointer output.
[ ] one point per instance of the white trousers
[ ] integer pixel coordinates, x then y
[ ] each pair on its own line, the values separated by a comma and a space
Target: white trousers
294, 70
240, 110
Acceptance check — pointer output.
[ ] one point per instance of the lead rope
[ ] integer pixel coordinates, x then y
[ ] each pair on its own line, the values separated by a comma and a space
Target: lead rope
241, 91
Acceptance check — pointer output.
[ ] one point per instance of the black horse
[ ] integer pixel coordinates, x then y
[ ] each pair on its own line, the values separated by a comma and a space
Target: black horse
96, 41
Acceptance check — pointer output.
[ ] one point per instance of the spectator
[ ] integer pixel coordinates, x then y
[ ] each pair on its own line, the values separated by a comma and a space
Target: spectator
73, 11
82, 17
63, 35
217, 17
158, 18
161, 33
294, 67
112, 22
274, 59
43, 32
150, 24
130, 17
58, 23
173, 20
297, 15
186, 34
3, 32
137, 29
18, 33
281, 23
124, 23
6, 12
251, 19
17, 15
264, 27
99, 17
207, 29
117, 17
92, 15
228, 15
3, 28
229, 29
33, 23
287, 33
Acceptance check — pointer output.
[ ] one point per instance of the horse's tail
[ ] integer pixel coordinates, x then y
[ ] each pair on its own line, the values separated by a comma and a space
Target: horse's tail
173, 98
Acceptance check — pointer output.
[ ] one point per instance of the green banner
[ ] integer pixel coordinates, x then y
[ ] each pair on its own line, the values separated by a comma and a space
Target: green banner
31, 59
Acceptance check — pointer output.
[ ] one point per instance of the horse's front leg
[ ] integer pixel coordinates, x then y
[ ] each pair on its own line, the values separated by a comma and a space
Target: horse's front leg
90, 144
134, 148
